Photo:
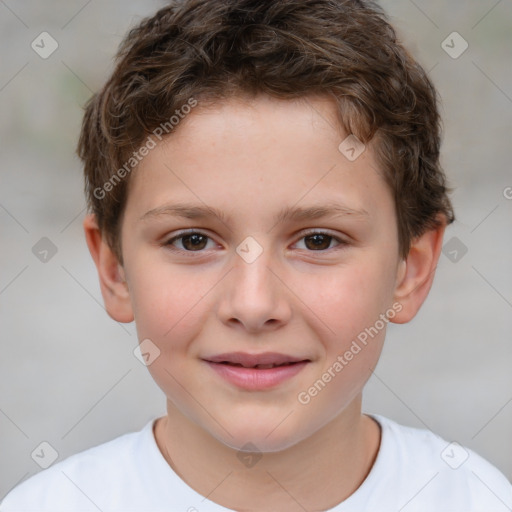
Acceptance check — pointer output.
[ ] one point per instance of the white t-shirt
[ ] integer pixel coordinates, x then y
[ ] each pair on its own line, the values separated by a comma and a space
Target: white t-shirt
415, 470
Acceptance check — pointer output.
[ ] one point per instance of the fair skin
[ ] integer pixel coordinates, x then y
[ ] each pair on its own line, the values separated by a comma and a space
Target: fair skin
250, 159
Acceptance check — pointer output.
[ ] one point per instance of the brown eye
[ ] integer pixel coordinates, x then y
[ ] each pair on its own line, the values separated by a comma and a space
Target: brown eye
318, 241
190, 242
194, 242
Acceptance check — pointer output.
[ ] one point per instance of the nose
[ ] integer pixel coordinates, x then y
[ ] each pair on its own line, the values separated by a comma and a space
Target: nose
254, 297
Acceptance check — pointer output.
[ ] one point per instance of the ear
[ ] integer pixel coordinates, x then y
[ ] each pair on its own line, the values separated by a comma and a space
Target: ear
112, 281
416, 273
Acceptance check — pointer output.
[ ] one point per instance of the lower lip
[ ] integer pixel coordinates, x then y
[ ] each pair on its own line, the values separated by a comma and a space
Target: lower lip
256, 379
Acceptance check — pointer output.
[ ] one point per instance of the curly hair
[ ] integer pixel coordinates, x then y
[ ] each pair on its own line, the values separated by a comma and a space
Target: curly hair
212, 50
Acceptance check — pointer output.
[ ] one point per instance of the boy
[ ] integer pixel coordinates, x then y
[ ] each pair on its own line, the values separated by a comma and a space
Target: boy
265, 197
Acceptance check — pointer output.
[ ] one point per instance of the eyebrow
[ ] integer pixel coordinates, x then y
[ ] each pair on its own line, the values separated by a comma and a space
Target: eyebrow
297, 214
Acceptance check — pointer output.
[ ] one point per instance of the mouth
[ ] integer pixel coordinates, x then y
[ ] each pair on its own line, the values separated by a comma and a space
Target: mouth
262, 361
256, 371
257, 366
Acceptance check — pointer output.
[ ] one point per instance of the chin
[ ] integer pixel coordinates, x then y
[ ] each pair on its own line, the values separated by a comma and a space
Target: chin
264, 436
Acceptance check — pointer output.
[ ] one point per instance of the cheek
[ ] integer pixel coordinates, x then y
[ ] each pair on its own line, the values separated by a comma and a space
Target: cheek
348, 299
349, 304
168, 306
167, 302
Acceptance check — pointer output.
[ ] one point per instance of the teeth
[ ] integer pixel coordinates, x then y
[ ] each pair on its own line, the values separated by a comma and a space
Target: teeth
258, 366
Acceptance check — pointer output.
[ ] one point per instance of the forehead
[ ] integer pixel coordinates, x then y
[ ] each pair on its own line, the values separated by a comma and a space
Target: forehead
263, 154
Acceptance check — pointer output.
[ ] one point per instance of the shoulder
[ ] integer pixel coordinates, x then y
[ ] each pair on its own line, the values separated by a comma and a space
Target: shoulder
75, 480
432, 468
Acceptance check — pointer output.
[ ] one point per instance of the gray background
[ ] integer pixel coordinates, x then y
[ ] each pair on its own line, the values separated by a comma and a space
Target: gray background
67, 370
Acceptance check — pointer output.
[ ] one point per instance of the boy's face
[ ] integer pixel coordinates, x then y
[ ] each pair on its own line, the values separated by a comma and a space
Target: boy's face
304, 298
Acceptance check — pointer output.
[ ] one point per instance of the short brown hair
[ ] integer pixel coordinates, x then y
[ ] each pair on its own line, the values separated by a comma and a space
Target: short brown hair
211, 50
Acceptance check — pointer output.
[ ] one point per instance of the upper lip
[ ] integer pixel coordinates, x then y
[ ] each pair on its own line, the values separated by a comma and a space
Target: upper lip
251, 360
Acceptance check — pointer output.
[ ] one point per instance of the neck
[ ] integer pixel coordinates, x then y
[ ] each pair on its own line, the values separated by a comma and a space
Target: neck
316, 473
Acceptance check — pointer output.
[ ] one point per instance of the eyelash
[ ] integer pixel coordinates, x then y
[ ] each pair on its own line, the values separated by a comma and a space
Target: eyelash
184, 234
